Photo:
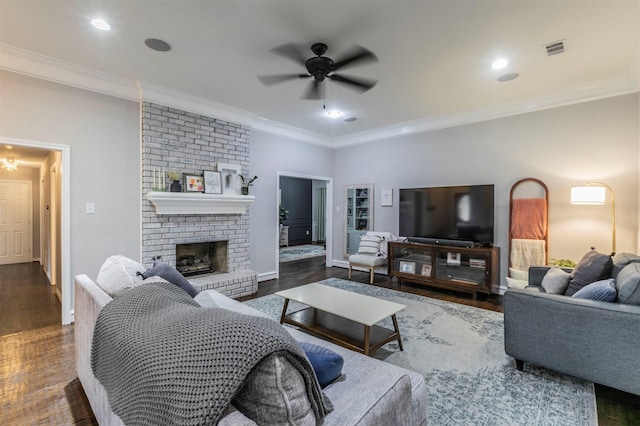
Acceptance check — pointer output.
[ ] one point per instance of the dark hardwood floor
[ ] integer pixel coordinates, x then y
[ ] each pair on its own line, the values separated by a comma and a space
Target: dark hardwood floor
38, 383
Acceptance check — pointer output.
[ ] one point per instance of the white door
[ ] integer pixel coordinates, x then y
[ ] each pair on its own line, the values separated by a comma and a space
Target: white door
15, 222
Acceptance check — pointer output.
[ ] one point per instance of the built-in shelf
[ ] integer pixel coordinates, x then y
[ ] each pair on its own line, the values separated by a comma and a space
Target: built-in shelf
199, 203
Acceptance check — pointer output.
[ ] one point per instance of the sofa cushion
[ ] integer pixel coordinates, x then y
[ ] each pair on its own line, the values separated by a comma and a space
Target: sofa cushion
205, 300
628, 284
604, 290
171, 274
555, 281
275, 391
369, 244
118, 274
326, 363
367, 259
592, 267
620, 260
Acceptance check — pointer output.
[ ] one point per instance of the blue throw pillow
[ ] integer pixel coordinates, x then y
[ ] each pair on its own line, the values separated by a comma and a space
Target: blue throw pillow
171, 274
326, 363
604, 291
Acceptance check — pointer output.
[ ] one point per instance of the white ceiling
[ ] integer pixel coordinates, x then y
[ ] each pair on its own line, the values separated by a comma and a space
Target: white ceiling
434, 56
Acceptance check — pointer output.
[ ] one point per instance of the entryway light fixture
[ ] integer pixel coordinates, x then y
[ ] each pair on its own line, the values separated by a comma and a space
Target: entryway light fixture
594, 193
9, 164
334, 113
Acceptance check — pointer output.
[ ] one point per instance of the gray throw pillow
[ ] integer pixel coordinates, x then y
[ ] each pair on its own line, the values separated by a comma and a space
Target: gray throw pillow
592, 267
620, 260
274, 391
171, 274
555, 281
628, 284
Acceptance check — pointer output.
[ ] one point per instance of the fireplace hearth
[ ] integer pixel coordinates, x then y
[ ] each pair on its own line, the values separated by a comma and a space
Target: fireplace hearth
201, 258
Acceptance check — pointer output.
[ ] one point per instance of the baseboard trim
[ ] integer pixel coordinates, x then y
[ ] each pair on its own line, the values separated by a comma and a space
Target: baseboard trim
266, 276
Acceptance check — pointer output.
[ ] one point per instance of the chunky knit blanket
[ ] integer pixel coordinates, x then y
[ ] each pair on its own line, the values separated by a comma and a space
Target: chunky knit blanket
163, 359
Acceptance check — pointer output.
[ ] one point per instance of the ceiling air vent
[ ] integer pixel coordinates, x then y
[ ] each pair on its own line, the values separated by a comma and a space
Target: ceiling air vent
554, 48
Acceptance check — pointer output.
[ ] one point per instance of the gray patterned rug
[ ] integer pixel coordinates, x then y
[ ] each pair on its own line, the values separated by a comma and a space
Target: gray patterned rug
287, 254
471, 381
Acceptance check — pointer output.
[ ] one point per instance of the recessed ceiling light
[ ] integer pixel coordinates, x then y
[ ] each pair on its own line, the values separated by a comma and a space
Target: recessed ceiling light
100, 24
499, 64
350, 119
334, 113
157, 44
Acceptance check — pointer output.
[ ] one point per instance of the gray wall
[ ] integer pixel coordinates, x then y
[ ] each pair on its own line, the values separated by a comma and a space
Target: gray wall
271, 154
103, 133
564, 147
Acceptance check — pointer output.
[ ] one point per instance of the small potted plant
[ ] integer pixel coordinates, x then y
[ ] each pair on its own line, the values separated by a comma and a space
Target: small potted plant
246, 183
176, 186
283, 214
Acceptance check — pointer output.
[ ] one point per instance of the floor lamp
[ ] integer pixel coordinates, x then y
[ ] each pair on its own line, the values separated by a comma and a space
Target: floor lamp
594, 193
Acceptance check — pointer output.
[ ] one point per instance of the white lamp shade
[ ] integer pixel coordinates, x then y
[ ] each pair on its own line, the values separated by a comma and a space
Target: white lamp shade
588, 195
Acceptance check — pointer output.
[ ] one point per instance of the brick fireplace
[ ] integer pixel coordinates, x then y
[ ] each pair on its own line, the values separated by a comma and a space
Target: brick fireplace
189, 143
201, 258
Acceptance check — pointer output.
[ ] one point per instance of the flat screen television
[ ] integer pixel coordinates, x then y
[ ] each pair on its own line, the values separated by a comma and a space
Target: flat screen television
454, 213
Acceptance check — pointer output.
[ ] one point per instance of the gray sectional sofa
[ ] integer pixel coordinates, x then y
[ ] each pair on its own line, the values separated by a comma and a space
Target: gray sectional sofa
371, 392
595, 340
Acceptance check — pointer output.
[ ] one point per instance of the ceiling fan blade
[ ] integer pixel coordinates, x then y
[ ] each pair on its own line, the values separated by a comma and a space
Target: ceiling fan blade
314, 91
361, 84
358, 55
293, 51
268, 80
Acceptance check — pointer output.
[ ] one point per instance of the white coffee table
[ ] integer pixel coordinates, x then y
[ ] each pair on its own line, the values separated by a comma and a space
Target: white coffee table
344, 317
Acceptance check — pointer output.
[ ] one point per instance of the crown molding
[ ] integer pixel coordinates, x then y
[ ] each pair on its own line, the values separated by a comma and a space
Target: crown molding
589, 92
46, 68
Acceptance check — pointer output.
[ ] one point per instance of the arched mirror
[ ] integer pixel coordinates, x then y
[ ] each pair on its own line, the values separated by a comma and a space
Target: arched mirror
358, 215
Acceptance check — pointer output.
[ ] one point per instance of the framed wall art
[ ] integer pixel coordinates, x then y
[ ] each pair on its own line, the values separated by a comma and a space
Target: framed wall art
193, 183
212, 182
426, 270
407, 267
230, 178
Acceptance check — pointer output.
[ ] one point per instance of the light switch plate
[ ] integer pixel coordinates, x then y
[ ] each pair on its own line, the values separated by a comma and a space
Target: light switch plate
90, 208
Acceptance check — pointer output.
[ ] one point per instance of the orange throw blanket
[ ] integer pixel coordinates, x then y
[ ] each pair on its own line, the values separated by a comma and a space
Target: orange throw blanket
529, 218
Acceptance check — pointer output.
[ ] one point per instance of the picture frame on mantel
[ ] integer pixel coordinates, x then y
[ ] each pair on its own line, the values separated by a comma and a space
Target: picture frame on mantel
212, 182
193, 183
230, 175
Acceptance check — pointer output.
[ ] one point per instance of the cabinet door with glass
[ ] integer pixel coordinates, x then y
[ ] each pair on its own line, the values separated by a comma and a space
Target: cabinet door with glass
358, 215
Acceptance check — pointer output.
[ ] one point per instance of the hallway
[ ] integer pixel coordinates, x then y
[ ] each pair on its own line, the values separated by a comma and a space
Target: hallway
27, 301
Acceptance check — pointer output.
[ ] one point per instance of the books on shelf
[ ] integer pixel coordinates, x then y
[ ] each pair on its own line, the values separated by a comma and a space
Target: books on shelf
477, 263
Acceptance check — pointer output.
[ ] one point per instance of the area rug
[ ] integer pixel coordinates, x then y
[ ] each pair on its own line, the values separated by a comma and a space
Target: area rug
287, 254
460, 351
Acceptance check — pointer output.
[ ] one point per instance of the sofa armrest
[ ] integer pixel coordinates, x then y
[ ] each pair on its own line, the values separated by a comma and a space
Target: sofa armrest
593, 340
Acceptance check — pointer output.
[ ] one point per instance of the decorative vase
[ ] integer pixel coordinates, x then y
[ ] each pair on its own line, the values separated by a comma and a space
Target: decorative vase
244, 190
176, 186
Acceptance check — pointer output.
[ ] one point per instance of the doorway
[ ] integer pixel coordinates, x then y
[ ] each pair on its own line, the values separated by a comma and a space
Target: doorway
55, 236
320, 193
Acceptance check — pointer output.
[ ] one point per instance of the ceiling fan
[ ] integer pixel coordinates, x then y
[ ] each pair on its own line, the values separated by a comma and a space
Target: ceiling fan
320, 68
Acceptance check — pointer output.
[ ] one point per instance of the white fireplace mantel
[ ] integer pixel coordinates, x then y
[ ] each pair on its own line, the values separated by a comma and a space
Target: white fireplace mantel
199, 203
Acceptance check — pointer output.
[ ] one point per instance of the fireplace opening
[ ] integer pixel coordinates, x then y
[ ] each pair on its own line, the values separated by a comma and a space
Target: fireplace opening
201, 258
